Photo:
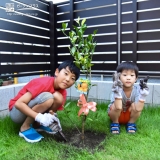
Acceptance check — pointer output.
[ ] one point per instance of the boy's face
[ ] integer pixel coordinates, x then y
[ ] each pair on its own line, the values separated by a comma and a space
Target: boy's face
128, 78
64, 78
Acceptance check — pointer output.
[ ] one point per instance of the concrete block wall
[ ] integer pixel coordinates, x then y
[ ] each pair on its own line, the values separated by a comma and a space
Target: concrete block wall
7, 93
99, 93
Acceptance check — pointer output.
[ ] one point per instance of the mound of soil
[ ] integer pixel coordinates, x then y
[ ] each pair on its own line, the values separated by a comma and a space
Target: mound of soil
92, 139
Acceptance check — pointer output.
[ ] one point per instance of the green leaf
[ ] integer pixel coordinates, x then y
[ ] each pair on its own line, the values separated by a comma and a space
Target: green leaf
80, 44
64, 25
78, 20
76, 54
77, 64
74, 39
83, 21
95, 31
90, 37
73, 50
89, 119
66, 105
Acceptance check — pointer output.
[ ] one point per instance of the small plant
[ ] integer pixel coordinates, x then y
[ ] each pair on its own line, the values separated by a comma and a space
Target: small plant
1, 82
7, 80
82, 48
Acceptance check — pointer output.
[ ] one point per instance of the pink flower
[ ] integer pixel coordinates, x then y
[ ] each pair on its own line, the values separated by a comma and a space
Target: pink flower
85, 107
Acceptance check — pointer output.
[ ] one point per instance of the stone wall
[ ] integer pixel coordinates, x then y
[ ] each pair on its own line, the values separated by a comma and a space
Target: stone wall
99, 93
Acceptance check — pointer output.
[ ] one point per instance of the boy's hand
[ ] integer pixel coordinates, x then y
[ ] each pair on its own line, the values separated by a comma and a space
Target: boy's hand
117, 86
55, 126
45, 119
143, 82
144, 90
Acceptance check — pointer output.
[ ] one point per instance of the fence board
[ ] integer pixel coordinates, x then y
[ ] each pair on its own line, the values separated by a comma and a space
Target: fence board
23, 19
14, 58
96, 12
149, 36
149, 67
99, 48
34, 13
85, 4
24, 68
148, 15
22, 38
148, 56
149, 46
104, 66
99, 39
127, 27
149, 25
22, 28
96, 57
94, 21
127, 17
148, 4
127, 7
63, 17
127, 47
122, 1
127, 57
93, 3
23, 48
102, 29
127, 37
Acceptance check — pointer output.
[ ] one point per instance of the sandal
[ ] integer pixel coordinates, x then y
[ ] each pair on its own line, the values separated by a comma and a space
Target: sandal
115, 127
131, 127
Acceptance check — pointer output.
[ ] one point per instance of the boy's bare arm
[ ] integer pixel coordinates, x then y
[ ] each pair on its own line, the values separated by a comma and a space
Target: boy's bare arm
118, 103
21, 105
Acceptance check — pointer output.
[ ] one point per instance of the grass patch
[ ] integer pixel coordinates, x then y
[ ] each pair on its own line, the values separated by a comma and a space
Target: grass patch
145, 144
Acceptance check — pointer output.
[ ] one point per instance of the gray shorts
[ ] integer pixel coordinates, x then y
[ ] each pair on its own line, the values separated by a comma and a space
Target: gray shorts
18, 117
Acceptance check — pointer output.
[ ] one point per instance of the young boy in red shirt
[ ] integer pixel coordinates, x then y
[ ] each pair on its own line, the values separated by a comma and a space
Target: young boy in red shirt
38, 97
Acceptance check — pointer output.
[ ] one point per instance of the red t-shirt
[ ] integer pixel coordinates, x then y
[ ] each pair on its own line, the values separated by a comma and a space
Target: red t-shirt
37, 86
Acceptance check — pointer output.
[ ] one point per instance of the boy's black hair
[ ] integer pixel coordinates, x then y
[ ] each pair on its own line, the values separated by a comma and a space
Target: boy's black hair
72, 67
126, 66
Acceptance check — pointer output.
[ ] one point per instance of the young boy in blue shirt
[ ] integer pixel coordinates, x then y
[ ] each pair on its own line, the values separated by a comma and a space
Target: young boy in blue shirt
38, 97
127, 100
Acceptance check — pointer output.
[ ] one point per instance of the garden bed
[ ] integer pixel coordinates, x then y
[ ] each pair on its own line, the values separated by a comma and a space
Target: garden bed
92, 139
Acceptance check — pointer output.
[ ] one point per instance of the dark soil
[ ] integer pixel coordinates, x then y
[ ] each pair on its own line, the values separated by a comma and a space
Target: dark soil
92, 140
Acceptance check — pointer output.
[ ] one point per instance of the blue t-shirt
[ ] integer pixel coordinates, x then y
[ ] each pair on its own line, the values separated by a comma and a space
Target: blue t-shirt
126, 102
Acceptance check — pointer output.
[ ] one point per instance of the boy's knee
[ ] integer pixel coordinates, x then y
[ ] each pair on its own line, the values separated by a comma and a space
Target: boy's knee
49, 102
116, 108
58, 98
134, 108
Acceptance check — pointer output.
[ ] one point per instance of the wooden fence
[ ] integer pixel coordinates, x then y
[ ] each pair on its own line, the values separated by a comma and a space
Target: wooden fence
128, 30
